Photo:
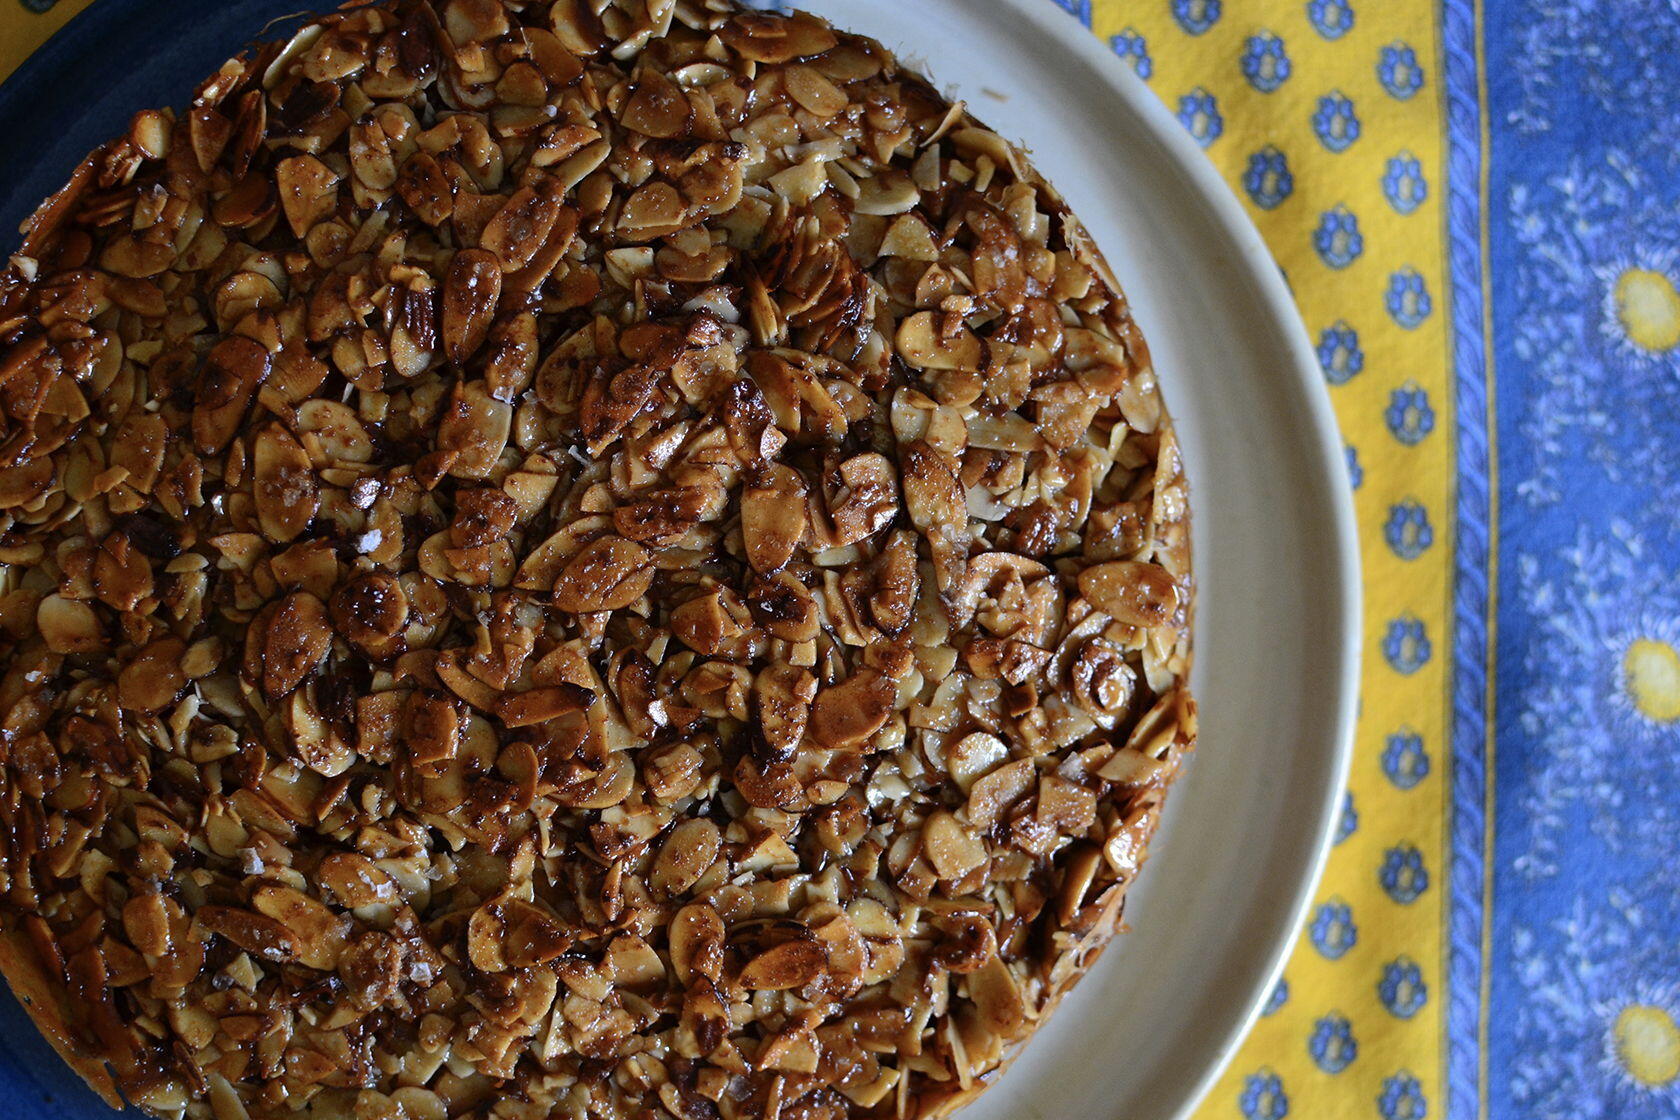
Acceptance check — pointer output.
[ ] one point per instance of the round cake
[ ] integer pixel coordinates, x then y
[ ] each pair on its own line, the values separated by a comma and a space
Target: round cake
572, 559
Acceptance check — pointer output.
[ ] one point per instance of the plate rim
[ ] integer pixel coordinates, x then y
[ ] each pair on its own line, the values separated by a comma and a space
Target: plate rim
1346, 601
1256, 263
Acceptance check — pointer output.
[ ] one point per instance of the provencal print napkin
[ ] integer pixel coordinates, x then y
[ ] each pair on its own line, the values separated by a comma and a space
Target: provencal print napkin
1477, 204
1326, 117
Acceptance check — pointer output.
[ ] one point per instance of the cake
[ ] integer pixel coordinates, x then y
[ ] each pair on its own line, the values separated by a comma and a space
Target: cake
572, 559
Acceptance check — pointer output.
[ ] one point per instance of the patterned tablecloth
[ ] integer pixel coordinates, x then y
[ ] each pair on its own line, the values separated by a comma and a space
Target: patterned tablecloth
1478, 207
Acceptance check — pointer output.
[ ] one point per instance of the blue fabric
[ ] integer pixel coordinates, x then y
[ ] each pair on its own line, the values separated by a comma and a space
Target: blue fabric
1584, 192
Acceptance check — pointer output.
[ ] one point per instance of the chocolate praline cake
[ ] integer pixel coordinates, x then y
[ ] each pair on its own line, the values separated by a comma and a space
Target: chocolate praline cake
572, 561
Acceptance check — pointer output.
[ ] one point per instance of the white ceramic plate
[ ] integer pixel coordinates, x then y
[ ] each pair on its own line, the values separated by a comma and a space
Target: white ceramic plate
1277, 628
1277, 621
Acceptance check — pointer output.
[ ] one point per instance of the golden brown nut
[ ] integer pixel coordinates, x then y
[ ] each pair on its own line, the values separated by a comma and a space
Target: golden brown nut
586, 559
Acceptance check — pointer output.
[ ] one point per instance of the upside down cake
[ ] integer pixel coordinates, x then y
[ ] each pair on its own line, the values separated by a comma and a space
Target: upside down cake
572, 559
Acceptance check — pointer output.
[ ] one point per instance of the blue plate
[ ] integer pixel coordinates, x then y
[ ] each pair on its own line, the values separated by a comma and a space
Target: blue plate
112, 60
74, 94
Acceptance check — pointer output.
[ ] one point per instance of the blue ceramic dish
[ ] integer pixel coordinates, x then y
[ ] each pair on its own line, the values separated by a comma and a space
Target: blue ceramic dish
81, 88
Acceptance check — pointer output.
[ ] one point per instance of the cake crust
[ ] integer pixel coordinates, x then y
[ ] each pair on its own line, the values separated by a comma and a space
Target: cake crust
572, 559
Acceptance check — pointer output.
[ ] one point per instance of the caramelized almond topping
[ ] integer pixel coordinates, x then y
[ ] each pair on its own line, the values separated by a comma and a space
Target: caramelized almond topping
575, 559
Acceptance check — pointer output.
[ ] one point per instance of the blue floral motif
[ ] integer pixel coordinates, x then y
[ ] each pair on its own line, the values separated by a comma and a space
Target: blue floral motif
1402, 1098
1133, 50
1408, 416
1402, 989
1602, 982
1198, 112
1586, 197
1268, 180
1265, 62
1279, 997
1332, 1045
1615, 56
1337, 239
1399, 72
1339, 355
1408, 299
1356, 473
1405, 646
1403, 875
1348, 823
1403, 760
1335, 123
1263, 1097
1593, 717
1330, 18
1332, 931
1197, 16
1602, 392
1408, 531
1403, 183
1079, 9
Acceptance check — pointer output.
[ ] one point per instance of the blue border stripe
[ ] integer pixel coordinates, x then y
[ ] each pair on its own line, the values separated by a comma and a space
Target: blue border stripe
1465, 965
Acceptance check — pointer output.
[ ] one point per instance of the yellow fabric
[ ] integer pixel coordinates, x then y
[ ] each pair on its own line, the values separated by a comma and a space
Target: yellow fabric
1388, 817
22, 29
1186, 60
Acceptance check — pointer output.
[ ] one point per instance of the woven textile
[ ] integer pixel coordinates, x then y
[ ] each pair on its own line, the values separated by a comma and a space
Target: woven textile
1477, 206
